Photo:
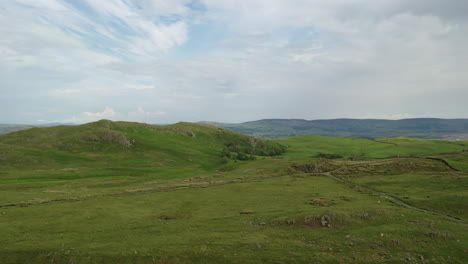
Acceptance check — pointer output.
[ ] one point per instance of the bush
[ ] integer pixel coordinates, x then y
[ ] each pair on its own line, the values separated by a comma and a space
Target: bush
328, 156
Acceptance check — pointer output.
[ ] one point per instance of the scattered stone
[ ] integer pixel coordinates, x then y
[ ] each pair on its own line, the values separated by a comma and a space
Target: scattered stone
325, 221
191, 134
432, 234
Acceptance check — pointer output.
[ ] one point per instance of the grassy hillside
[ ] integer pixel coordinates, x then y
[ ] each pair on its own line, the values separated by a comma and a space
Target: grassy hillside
109, 157
119, 192
310, 146
428, 128
109, 143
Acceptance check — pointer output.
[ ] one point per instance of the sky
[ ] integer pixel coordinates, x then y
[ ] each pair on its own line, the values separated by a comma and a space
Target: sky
164, 61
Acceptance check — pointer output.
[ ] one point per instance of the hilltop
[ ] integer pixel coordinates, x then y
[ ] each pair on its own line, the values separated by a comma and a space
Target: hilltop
426, 128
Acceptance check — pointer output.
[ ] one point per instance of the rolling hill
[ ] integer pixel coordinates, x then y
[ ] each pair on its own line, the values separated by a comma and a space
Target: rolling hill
106, 142
427, 128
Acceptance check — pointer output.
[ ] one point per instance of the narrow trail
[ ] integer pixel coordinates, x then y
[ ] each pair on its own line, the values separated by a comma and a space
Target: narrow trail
394, 199
200, 185
384, 142
454, 154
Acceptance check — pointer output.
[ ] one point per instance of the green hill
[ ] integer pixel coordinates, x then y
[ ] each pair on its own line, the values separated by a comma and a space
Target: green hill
109, 143
427, 128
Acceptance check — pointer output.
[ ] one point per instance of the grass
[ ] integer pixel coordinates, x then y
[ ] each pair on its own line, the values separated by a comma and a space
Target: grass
460, 162
309, 146
423, 189
196, 225
82, 195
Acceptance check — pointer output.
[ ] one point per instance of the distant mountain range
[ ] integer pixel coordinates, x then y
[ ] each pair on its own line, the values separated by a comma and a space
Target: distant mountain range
7, 128
427, 128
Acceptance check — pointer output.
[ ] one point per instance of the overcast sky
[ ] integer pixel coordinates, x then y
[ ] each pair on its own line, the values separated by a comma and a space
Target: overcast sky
164, 61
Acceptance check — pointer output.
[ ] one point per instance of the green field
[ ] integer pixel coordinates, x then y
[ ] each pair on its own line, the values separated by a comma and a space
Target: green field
307, 146
117, 192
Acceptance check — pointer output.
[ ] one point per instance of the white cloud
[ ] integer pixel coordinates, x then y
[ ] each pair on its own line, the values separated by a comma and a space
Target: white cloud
62, 92
139, 115
164, 7
107, 113
140, 87
368, 68
54, 5
156, 39
231, 95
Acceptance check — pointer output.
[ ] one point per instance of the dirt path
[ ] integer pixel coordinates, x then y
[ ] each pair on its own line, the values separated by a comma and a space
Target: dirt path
392, 198
454, 154
176, 187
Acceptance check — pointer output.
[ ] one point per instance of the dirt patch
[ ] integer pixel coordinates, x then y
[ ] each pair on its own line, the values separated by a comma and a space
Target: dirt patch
321, 202
315, 166
54, 191
70, 169
90, 155
346, 198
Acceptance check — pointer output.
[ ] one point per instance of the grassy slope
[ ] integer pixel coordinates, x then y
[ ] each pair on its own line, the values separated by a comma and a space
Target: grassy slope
191, 211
